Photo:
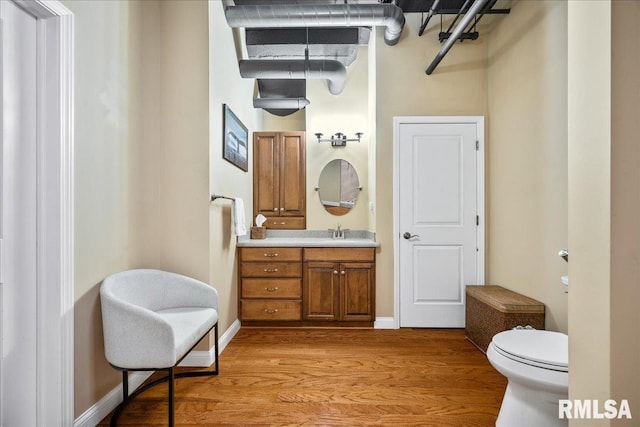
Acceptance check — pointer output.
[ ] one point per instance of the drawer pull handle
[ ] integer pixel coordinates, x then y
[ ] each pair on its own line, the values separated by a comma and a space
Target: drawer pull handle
274, 270
271, 311
271, 289
271, 255
280, 223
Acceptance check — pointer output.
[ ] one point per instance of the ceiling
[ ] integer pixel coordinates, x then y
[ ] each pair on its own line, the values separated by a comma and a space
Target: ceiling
330, 31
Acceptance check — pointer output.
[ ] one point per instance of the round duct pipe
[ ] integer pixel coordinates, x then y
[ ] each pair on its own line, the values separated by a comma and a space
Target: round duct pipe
334, 71
280, 103
319, 15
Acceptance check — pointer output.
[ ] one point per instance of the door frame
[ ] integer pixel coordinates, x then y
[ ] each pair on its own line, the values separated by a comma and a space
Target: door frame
55, 200
397, 122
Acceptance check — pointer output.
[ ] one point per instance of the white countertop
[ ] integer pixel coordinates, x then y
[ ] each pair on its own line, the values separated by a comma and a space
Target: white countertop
310, 238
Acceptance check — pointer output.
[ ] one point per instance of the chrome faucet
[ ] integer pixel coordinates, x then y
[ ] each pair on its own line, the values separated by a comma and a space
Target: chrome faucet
337, 233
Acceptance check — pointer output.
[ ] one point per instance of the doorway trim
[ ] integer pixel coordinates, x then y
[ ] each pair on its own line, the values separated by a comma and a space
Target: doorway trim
55, 222
397, 122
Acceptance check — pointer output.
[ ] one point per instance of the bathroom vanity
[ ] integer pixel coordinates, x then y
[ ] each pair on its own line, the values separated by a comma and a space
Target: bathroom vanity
288, 280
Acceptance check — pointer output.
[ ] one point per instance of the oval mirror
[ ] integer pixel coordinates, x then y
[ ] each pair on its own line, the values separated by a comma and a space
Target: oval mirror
338, 187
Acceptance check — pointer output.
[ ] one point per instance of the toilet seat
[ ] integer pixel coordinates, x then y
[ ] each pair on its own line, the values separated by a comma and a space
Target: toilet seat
542, 349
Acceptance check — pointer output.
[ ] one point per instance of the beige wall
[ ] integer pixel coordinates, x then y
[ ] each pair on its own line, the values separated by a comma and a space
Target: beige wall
328, 114
292, 122
458, 87
527, 155
226, 87
372, 131
183, 170
105, 207
142, 158
589, 124
625, 205
604, 203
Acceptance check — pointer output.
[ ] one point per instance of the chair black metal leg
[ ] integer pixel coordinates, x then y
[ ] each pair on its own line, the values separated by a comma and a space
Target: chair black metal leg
215, 343
171, 381
125, 385
170, 378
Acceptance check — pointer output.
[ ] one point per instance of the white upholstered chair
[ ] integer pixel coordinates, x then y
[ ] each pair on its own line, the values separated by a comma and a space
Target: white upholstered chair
151, 320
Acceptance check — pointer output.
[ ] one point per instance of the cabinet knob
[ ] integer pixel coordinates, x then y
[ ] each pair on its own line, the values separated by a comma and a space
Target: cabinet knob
343, 272
271, 311
281, 209
275, 209
335, 271
271, 289
267, 270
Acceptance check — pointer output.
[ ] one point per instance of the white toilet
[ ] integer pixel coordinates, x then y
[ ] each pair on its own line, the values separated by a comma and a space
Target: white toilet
536, 364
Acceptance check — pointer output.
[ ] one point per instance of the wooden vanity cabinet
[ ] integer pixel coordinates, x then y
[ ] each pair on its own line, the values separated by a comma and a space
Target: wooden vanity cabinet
321, 288
270, 284
279, 179
306, 286
342, 288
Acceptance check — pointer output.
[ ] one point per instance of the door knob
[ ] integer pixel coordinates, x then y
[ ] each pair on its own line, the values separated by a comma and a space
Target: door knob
408, 235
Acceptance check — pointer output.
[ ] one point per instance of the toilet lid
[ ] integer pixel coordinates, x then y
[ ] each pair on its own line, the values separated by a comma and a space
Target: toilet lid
545, 349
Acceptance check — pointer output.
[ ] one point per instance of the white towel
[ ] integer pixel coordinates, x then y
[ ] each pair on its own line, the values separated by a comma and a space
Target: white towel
238, 227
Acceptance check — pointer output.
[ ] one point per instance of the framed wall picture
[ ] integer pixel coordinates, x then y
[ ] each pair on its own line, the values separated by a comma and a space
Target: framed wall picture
234, 139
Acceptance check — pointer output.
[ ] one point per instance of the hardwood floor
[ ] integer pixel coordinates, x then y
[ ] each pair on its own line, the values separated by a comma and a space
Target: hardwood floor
335, 377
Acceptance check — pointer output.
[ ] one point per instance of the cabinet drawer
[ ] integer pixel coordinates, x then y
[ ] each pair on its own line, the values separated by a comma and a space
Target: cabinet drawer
286, 222
271, 269
271, 254
339, 254
270, 310
272, 288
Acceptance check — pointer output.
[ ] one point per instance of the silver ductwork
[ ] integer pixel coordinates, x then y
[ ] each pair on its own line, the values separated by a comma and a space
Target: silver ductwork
334, 71
319, 15
280, 103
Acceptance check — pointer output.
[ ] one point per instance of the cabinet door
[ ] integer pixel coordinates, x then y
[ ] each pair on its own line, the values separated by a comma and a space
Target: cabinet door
320, 291
292, 174
357, 291
266, 174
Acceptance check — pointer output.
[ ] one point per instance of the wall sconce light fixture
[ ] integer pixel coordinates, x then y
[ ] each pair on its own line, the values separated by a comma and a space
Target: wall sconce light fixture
339, 139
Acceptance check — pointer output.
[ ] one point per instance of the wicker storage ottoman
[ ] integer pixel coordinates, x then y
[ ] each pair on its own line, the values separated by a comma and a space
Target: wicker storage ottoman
491, 309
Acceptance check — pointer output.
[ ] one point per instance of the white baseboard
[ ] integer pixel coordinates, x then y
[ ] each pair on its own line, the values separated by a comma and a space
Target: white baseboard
385, 323
203, 359
96, 413
92, 416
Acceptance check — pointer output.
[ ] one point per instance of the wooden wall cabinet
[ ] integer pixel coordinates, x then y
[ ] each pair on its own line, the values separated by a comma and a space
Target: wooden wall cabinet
279, 179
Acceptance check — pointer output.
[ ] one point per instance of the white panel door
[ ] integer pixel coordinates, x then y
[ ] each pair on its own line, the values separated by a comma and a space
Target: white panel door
18, 263
437, 221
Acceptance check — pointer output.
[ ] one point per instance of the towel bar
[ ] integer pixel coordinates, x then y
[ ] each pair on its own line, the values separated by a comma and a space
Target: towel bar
217, 196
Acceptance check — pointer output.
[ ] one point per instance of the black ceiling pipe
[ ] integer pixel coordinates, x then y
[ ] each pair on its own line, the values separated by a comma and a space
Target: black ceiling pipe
477, 6
484, 11
428, 18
